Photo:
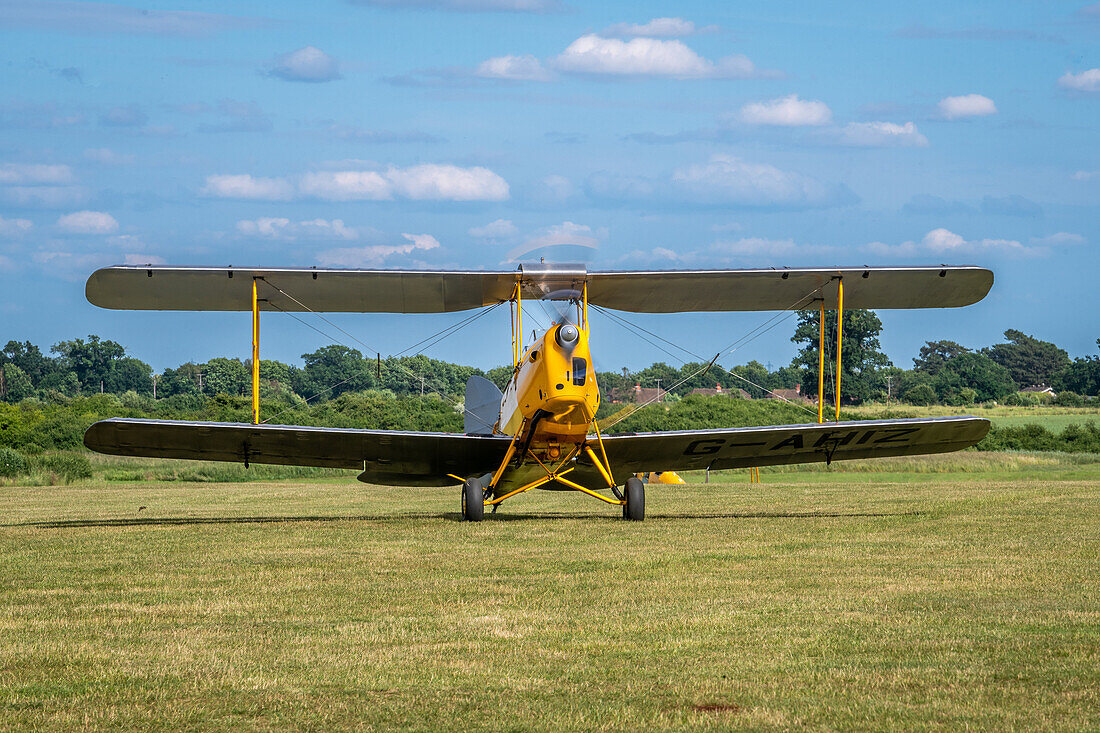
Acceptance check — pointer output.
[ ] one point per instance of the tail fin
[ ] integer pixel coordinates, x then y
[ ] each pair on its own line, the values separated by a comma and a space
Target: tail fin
482, 406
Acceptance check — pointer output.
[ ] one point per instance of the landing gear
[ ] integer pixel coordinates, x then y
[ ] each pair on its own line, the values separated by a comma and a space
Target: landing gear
634, 508
473, 500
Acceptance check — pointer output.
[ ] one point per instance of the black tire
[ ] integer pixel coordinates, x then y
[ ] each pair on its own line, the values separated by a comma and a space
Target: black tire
473, 501
634, 509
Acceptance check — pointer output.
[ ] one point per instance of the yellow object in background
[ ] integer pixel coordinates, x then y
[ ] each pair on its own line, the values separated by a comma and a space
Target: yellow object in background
665, 477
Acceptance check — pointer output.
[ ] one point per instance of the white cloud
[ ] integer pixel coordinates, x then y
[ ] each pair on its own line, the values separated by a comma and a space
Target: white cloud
436, 182
1085, 175
267, 226
659, 28
513, 68
967, 105
106, 156
35, 173
945, 241
727, 179
1086, 81
273, 227
1059, 238
426, 182
788, 111
346, 186
593, 54
565, 234
14, 227
244, 186
422, 241
88, 222
376, 254
499, 229
880, 134
308, 64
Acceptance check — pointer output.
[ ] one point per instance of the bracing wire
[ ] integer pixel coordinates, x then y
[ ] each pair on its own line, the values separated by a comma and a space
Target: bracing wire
752, 335
438, 336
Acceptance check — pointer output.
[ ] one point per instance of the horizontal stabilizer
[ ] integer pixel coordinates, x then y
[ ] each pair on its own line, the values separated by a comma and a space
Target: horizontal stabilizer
158, 287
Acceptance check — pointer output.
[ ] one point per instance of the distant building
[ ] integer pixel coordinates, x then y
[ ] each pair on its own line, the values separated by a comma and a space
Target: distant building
1040, 389
791, 395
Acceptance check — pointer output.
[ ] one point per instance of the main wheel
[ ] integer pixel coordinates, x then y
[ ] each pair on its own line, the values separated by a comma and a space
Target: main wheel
634, 491
473, 500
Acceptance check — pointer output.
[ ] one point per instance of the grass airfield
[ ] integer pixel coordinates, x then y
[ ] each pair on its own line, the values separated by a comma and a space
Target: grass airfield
915, 595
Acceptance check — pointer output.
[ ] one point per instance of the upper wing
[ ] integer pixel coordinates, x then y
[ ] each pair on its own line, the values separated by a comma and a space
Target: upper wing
784, 444
672, 291
326, 290
156, 287
397, 458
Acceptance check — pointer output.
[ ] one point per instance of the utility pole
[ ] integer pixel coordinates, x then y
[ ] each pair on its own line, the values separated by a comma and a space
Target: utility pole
659, 390
421, 385
889, 378
156, 378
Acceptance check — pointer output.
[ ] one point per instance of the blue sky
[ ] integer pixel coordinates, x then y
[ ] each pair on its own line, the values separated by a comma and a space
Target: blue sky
473, 133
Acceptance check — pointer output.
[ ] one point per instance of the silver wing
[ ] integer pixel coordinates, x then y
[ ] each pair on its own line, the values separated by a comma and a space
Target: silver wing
155, 287
388, 457
399, 458
786, 444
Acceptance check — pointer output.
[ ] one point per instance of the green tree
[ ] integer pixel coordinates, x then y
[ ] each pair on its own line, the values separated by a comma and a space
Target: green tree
935, 354
861, 358
331, 371
90, 360
988, 380
15, 385
29, 359
920, 394
184, 379
129, 374
1081, 376
1027, 359
755, 379
225, 377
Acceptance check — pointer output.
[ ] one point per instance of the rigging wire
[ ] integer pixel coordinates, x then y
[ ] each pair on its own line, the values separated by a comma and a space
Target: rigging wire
396, 362
770, 324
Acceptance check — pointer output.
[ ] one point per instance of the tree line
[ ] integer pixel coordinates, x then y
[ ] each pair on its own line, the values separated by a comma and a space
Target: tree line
944, 372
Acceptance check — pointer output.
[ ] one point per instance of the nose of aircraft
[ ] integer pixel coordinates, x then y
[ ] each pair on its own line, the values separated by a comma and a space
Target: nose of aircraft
567, 336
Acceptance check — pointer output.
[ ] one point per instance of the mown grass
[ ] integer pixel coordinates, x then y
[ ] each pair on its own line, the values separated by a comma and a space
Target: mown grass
825, 600
1051, 417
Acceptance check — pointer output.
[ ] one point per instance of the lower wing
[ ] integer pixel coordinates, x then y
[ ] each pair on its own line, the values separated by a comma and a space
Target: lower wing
400, 458
390, 457
783, 444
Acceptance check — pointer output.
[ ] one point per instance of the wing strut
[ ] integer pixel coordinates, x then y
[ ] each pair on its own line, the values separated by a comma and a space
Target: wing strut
839, 336
255, 354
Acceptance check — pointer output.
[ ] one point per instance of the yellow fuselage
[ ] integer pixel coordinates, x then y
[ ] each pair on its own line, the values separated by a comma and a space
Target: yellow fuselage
553, 392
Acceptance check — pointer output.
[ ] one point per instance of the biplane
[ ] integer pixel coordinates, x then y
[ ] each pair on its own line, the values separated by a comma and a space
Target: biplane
541, 431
